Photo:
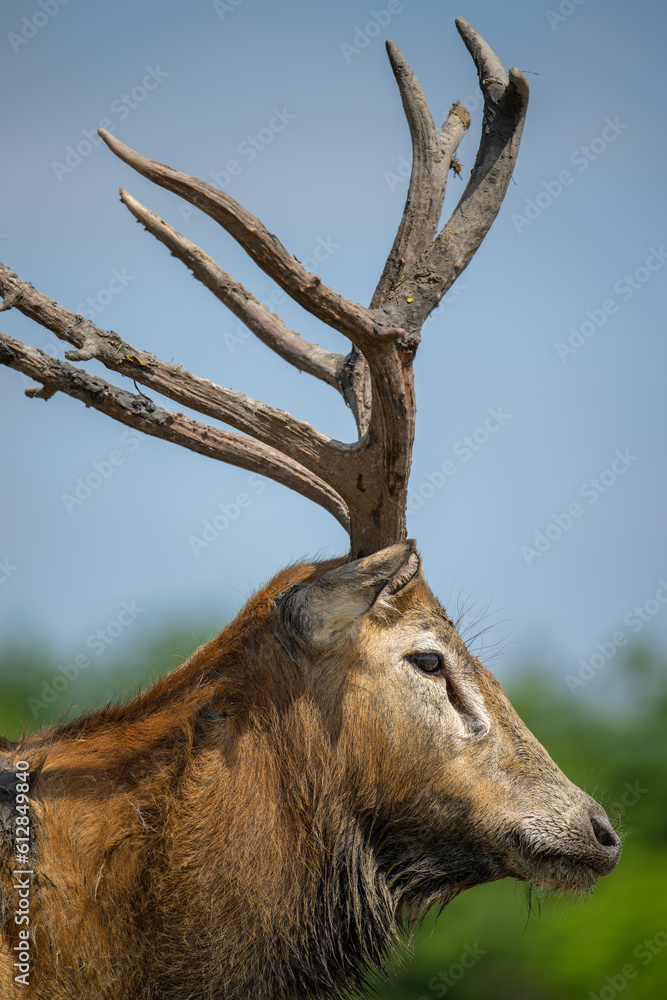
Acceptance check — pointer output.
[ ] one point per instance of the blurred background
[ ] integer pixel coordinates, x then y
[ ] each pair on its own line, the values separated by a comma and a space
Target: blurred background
556, 328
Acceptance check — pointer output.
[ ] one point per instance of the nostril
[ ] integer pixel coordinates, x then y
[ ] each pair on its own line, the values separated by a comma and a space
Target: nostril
604, 833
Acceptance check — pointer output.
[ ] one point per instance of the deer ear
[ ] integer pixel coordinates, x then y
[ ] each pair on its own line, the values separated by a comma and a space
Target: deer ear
316, 613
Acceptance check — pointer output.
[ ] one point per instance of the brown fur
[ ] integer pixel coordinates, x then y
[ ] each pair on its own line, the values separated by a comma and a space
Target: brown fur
261, 822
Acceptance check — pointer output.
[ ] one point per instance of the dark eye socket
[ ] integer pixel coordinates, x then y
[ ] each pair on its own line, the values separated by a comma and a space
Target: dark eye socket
428, 663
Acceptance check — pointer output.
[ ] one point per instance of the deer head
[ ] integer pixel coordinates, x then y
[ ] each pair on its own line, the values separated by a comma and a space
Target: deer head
336, 759
474, 793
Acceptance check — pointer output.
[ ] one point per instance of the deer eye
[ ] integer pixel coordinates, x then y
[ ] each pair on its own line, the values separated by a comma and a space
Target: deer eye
428, 663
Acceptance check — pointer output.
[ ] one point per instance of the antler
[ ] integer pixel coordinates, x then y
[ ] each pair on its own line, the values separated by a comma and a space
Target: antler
363, 484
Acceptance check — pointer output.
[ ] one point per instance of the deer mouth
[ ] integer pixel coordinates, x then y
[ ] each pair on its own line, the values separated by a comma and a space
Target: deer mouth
573, 859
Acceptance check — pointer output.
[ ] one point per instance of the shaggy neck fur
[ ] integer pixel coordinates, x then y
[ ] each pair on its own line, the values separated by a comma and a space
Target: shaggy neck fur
202, 840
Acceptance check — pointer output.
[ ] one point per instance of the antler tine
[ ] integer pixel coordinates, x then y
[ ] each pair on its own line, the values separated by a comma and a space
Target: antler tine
432, 153
489, 67
141, 413
350, 318
505, 103
411, 285
266, 325
295, 438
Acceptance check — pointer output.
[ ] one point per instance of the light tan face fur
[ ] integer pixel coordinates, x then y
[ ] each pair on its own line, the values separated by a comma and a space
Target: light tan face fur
449, 747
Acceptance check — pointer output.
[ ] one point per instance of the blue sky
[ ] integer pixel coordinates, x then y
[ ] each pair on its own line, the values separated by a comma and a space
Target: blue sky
540, 379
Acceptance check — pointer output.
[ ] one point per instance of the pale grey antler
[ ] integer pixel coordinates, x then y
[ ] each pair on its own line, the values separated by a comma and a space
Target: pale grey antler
363, 484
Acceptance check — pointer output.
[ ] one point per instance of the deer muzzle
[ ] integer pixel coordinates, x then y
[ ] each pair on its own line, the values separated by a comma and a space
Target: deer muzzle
569, 849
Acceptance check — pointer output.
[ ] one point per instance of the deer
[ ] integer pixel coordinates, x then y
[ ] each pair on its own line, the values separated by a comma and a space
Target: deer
272, 816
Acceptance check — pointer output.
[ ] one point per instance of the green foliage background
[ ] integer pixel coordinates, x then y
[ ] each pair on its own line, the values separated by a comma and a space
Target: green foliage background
611, 943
